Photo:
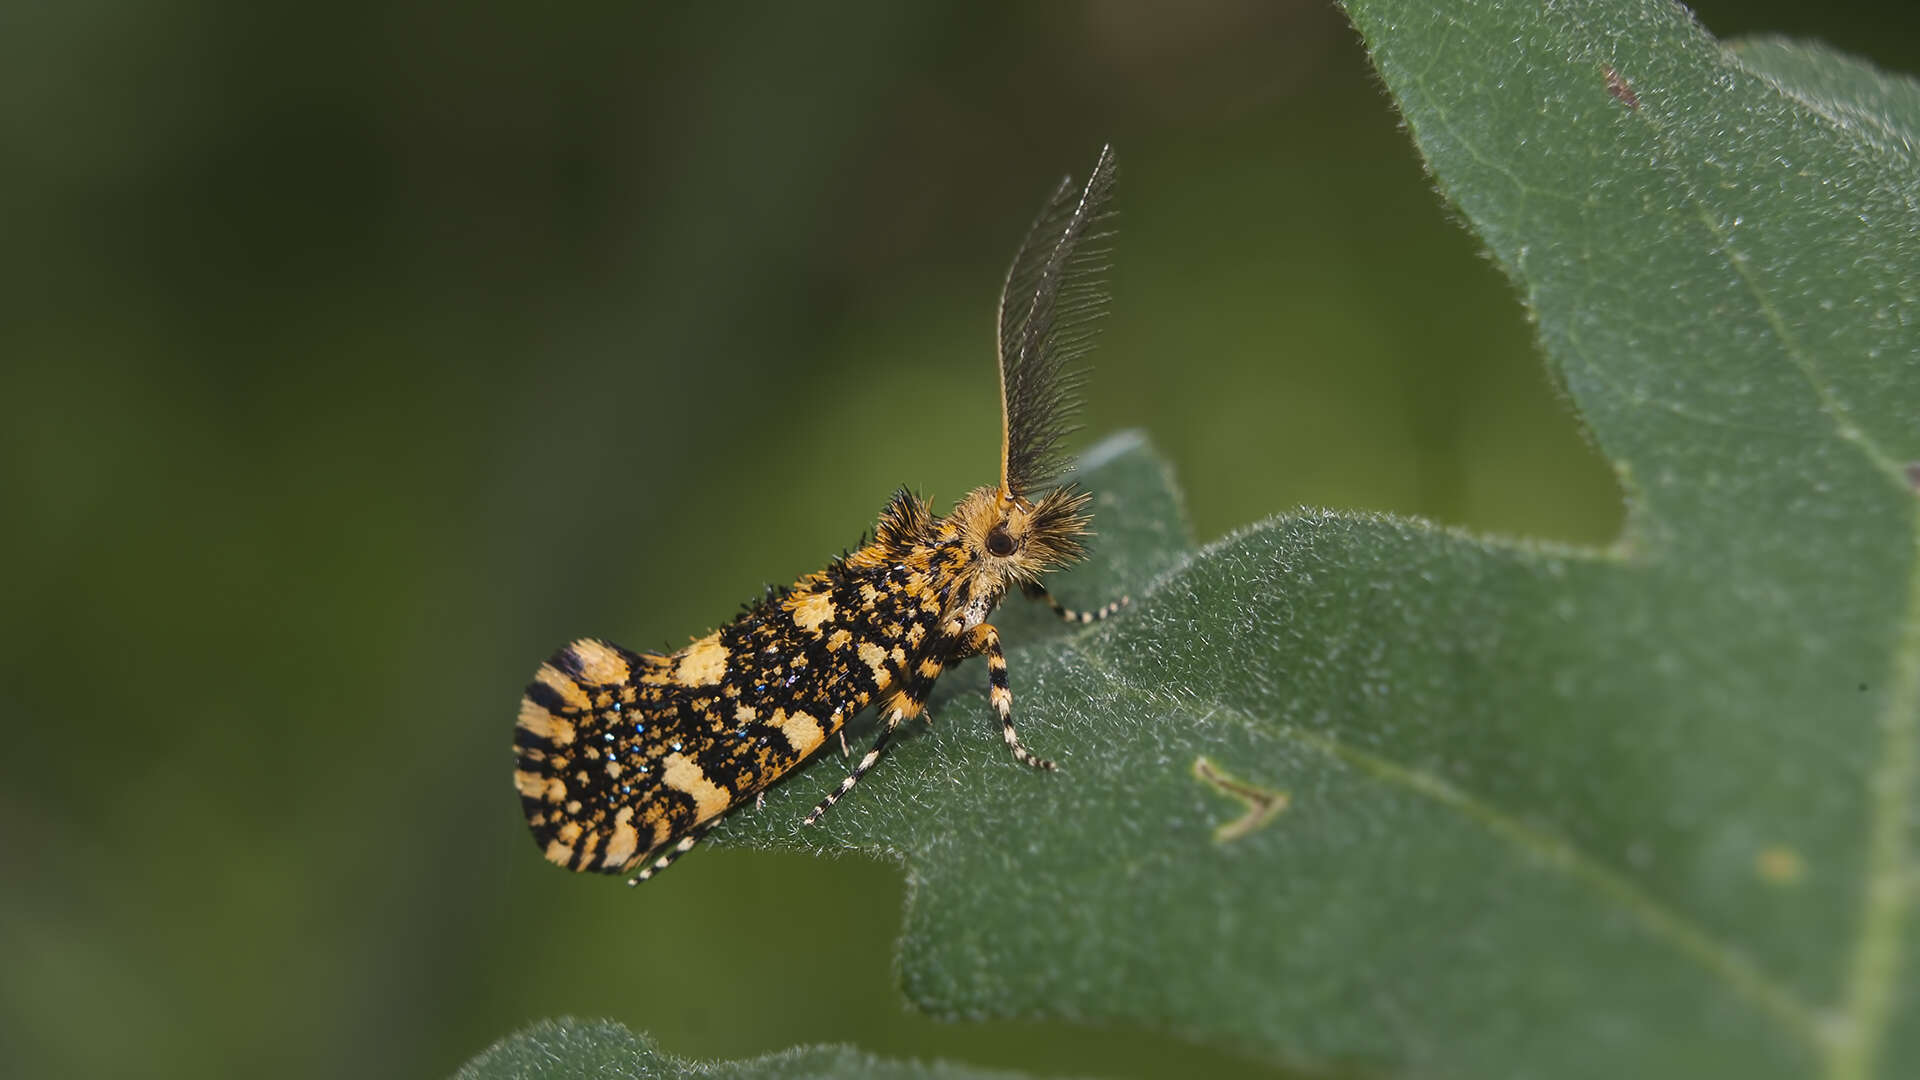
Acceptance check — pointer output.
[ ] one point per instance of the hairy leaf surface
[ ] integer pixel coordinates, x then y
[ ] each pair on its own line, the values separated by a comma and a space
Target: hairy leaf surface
1354, 790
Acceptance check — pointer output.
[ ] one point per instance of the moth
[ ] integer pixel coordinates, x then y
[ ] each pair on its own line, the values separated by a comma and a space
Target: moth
624, 760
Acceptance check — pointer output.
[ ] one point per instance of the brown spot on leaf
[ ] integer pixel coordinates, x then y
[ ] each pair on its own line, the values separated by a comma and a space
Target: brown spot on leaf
1621, 91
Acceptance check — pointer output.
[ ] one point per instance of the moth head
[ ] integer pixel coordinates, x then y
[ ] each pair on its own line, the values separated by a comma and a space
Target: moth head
1016, 540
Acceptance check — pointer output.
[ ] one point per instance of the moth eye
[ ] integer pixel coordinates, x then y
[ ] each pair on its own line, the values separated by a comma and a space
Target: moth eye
999, 542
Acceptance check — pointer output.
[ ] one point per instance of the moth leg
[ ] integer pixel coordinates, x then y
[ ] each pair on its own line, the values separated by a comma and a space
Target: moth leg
985, 639
668, 856
907, 705
1037, 591
929, 670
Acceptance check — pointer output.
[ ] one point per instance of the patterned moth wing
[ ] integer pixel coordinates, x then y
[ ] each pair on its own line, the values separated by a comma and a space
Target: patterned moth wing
620, 754
589, 727
624, 760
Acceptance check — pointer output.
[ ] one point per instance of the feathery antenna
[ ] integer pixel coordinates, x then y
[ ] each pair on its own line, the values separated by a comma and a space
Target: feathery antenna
1049, 310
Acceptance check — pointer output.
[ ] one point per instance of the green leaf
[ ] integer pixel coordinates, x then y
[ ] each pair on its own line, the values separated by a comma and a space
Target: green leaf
1356, 791
1638, 811
1849, 93
567, 1049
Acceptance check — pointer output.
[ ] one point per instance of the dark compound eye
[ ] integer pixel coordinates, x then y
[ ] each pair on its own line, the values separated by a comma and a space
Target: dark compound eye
998, 542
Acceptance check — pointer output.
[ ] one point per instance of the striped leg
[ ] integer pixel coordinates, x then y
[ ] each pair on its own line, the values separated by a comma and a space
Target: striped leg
906, 707
668, 856
860, 770
1039, 592
985, 639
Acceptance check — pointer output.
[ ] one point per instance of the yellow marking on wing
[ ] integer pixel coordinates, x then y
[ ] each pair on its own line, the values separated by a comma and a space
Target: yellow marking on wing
812, 610
599, 663
657, 820
839, 639
535, 786
626, 839
876, 658
745, 714
803, 732
709, 799
568, 690
703, 662
536, 719
558, 852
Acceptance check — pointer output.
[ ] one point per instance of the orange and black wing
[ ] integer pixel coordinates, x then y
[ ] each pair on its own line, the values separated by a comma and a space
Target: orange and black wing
589, 761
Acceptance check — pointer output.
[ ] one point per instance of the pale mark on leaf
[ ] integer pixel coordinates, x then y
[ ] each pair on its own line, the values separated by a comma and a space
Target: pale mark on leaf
1263, 804
1780, 866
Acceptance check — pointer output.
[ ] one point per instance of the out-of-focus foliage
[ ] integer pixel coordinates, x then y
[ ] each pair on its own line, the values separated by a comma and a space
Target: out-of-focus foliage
355, 359
568, 1049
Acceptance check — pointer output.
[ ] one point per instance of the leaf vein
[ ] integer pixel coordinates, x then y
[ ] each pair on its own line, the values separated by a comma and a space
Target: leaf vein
1878, 953
1734, 968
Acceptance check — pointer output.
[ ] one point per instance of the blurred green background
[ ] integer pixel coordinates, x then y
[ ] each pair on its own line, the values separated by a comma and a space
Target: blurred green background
356, 358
